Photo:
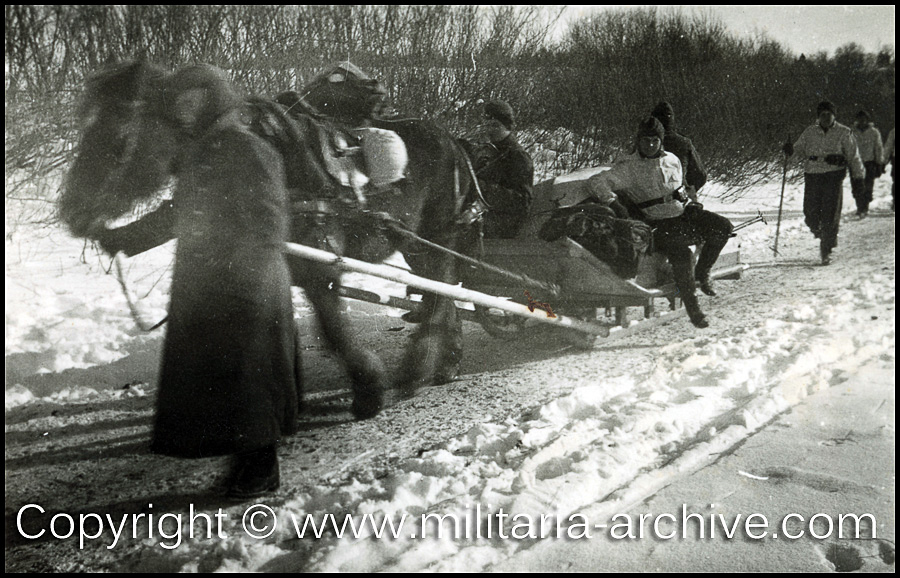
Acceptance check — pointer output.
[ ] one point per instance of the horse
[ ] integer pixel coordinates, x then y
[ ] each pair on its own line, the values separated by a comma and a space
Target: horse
129, 149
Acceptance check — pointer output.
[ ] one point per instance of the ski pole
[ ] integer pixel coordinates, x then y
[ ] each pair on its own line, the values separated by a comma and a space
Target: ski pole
781, 202
757, 219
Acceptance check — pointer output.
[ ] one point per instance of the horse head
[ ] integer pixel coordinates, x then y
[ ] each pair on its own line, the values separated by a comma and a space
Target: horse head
344, 92
136, 120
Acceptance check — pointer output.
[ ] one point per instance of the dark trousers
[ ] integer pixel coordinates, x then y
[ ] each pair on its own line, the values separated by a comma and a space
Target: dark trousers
863, 200
673, 237
823, 196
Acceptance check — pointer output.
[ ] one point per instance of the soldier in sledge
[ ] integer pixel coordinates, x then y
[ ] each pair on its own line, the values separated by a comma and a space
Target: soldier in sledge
505, 173
648, 185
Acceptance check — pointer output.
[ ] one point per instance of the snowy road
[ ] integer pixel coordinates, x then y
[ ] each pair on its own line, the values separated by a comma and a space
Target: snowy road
533, 427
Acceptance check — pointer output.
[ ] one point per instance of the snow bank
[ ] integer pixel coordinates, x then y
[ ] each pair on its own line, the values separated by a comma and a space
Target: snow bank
592, 452
65, 309
63, 312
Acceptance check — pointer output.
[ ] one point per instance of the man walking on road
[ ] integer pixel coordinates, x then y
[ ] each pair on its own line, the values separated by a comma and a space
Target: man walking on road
888, 157
871, 151
827, 148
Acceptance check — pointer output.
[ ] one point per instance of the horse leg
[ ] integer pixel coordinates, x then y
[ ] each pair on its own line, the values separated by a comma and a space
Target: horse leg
298, 366
435, 350
365, 369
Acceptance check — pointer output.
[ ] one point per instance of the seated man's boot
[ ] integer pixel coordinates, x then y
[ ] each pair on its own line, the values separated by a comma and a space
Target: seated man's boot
709, 254
698, 319
705, 283
694, 313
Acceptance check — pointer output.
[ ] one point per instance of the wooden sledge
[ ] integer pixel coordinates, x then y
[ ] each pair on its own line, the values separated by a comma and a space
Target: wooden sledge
591, 300
589, 289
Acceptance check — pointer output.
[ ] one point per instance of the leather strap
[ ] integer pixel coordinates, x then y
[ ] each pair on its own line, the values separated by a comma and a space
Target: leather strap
658, 201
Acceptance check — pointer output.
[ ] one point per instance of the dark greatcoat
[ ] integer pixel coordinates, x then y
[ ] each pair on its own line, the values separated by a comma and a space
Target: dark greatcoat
506, 176
228, 378
683, 148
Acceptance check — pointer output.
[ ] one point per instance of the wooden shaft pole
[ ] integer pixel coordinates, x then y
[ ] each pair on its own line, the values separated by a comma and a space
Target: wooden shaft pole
439, 288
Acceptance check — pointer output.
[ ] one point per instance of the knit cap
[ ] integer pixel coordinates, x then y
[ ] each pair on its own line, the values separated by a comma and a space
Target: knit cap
651, 126
826, 105
662, 110
501, 111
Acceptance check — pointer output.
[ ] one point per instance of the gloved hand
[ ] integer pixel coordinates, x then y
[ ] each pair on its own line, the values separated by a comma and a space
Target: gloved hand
109, 240
693, 206
858, 187
690, 192
788, 149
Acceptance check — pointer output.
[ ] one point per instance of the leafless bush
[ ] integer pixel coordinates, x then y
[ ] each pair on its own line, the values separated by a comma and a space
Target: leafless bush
577, 100
737, 98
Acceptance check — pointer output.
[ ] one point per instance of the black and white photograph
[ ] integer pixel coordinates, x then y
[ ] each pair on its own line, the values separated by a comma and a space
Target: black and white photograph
449, 288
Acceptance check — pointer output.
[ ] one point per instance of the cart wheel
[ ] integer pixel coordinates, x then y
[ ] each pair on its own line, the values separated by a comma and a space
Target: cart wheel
496, 323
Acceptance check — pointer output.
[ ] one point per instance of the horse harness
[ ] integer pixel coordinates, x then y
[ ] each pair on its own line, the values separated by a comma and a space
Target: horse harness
340, 151
346, 175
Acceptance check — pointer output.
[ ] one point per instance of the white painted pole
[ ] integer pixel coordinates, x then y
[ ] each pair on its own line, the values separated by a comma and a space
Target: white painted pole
444, 289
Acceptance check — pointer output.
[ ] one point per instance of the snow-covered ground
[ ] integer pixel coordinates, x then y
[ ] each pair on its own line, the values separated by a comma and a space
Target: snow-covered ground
64, 311
592, 439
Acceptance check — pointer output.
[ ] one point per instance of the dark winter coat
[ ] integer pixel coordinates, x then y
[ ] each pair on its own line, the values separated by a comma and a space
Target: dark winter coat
683, 148
506, 177
228, 378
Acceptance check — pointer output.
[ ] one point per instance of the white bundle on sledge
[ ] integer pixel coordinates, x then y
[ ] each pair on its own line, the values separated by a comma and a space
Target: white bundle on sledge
385, 155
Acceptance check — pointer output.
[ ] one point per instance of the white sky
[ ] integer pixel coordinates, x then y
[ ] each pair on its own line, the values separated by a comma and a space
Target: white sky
801, 29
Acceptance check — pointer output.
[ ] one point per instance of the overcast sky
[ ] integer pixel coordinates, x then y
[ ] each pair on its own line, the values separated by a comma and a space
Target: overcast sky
802, 29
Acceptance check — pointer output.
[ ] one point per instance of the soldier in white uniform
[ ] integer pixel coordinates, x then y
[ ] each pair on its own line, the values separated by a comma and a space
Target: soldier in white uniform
871, 151
649, 184
826, 148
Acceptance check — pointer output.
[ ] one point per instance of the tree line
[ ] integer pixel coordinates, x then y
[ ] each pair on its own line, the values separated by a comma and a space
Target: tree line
578, 94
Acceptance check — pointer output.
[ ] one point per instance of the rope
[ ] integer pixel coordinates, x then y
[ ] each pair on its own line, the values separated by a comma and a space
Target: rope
472, 174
